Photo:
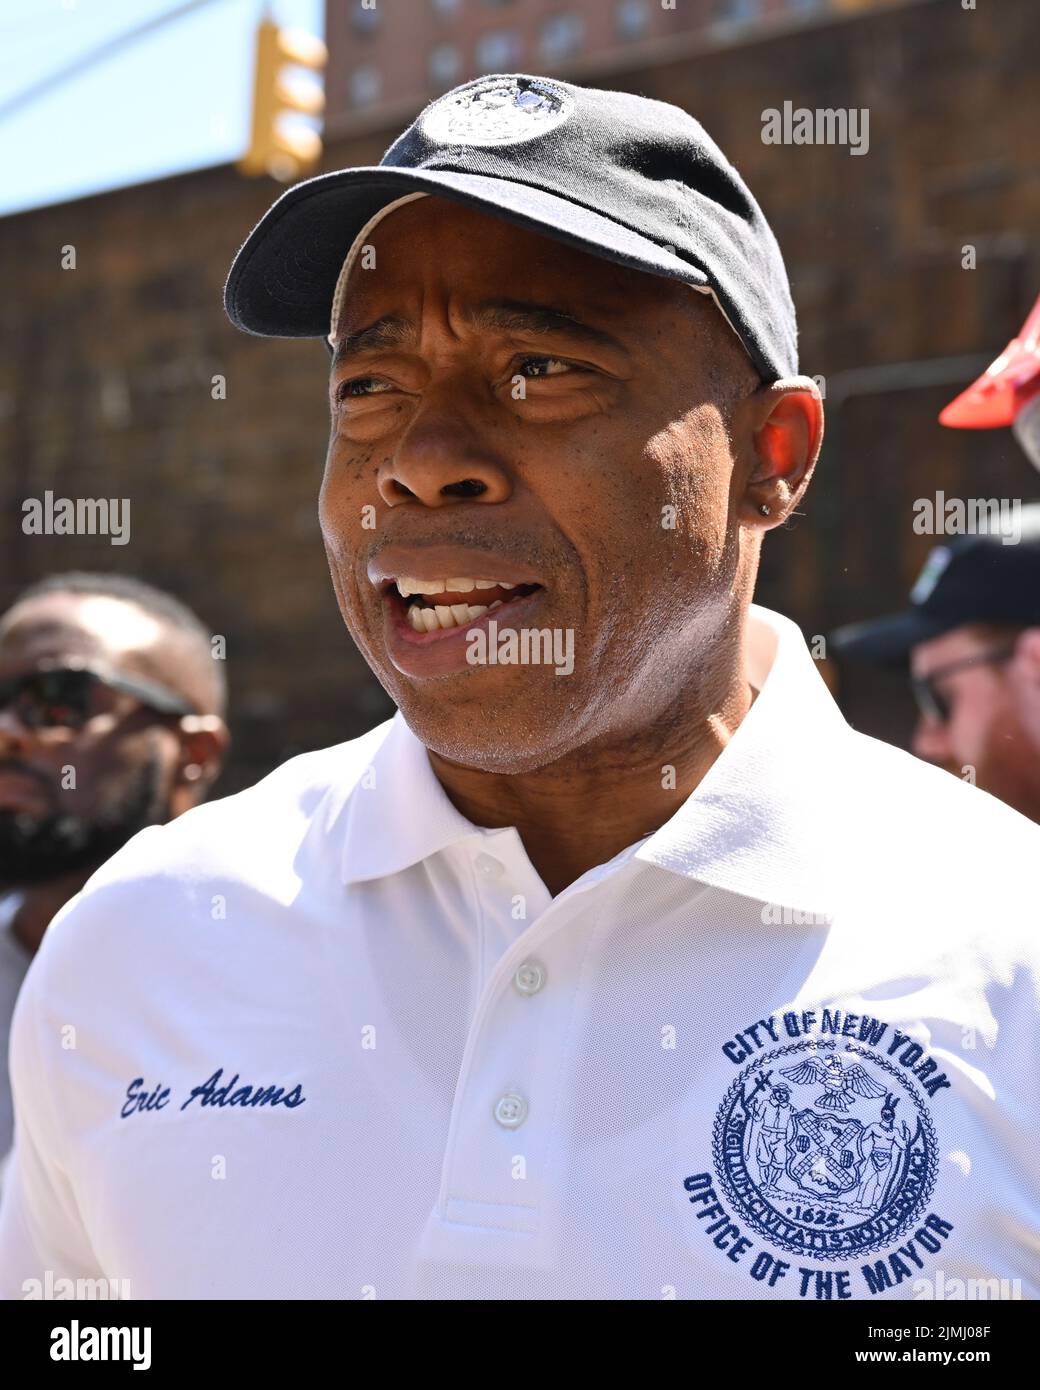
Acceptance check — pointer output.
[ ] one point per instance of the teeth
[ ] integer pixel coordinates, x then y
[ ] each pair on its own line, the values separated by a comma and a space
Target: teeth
497, 604
434, 619
406, 586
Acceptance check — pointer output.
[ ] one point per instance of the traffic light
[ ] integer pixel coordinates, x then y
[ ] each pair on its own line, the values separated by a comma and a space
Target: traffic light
278, 146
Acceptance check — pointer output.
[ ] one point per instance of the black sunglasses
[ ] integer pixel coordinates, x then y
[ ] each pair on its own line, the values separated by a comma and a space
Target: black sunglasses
931, 702
62, 696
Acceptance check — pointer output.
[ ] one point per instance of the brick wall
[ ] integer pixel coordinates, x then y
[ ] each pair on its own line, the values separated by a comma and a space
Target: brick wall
105, 382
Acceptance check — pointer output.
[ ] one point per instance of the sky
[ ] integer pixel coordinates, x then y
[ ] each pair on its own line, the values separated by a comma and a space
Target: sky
177, 99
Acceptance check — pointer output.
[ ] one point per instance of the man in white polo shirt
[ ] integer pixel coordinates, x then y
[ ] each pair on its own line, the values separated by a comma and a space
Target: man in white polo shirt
615, 965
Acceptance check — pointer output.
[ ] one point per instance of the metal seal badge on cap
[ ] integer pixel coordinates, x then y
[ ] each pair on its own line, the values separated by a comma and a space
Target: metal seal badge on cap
499, 111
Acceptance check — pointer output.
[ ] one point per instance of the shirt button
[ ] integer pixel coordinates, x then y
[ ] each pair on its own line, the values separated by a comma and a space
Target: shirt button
486, 866
511, 1111
529, 977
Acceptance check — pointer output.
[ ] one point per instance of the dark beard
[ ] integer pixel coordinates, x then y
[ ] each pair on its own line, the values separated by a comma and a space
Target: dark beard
36, 850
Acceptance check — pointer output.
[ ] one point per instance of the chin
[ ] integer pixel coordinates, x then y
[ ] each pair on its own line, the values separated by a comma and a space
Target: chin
507, 737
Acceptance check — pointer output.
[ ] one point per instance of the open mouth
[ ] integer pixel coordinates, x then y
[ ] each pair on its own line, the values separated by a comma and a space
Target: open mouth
433, 605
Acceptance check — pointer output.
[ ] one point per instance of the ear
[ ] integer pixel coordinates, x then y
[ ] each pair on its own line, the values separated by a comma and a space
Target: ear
1024, 678
786, 431
204, 740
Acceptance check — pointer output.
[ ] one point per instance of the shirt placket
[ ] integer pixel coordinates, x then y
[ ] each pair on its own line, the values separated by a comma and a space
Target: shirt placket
503, 1155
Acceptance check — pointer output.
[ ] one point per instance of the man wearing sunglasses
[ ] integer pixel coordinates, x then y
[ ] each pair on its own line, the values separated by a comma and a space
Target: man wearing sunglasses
111, 720
970, 644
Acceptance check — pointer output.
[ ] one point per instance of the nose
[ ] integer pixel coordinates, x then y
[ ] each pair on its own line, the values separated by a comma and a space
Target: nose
441, 460
14, 736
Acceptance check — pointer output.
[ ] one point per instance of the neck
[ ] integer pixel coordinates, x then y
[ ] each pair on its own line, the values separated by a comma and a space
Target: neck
583, 809
40, 902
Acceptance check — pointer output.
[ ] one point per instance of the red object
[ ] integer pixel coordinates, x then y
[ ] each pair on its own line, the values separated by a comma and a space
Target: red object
1004, 387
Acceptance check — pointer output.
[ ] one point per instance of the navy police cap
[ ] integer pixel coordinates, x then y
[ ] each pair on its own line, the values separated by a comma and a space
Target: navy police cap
989, 577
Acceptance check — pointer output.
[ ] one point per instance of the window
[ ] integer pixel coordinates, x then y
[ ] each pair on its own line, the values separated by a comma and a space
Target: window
739, 11
445, 65
366, 85
632, 18
562, 36
498, 50
364, 17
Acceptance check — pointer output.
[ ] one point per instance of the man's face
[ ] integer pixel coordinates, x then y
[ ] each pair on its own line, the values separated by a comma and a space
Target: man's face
983, 730
585, 463
70, 798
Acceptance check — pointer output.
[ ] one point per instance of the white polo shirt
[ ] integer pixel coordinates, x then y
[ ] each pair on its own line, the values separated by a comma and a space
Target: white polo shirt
328, 1039
14, 962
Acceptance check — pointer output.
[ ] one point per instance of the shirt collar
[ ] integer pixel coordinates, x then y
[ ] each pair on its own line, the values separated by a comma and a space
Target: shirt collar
760, 824
398, 813
765, 822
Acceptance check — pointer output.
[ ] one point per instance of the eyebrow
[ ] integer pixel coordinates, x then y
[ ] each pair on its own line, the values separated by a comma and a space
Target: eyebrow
389, 331
509, 315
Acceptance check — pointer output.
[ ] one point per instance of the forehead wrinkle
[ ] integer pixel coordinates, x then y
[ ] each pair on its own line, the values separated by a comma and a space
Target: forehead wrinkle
515, 315
420, 234
412, 230
394, 330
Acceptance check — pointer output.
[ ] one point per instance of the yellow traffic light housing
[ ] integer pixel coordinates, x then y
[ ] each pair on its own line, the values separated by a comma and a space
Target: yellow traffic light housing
284, 149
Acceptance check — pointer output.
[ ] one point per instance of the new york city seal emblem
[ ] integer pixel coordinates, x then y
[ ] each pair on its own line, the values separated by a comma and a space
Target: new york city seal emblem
497, 111
825, 1157
825, 1149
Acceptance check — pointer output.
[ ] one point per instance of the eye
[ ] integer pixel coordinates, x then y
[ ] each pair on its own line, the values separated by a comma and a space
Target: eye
544, 366
361, 386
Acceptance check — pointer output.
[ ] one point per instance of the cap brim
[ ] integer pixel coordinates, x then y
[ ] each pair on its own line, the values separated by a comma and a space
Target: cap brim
995, 398
283, 279
886, 641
